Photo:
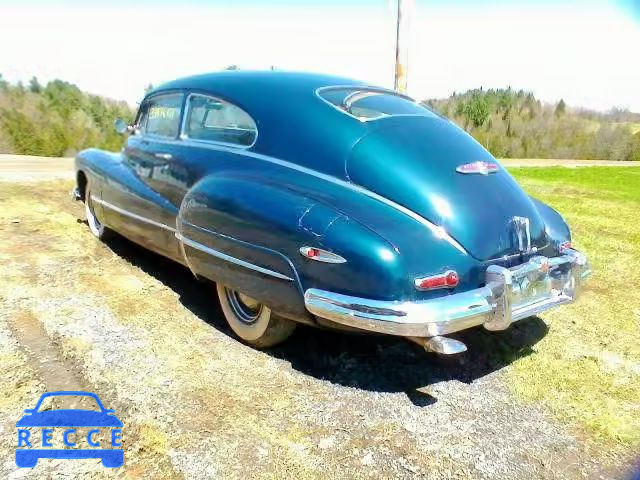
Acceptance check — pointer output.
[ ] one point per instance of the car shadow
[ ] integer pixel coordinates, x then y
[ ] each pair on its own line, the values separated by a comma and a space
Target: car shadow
370, 362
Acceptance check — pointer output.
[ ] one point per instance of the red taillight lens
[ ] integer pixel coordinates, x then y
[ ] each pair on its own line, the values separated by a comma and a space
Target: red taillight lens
565, 246
452, 279
312, 252
447, 279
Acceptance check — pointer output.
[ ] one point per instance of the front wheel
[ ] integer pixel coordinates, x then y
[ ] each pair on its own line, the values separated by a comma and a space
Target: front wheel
252, 321
98, 229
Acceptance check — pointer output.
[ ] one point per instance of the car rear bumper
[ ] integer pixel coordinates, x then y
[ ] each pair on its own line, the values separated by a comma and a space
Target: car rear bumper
510, 294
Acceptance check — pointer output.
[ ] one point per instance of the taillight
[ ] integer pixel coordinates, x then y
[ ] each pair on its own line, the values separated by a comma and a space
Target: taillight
565, 246
448, 279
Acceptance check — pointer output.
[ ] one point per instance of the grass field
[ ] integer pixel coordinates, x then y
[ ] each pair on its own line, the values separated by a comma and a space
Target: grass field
587, 369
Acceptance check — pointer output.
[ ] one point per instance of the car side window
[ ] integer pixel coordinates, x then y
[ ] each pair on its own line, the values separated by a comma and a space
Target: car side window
161, 115
214, 120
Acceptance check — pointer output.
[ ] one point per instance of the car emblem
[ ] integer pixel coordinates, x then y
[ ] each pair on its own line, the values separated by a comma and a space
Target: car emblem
483, 168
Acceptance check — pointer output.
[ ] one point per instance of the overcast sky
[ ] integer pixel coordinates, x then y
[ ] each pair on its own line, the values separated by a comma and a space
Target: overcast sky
586, 52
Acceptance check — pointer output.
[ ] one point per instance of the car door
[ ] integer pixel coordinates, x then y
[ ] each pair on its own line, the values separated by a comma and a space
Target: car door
213, 133
142, 211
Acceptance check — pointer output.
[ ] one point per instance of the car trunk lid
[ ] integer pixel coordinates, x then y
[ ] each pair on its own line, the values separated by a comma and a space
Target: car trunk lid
413, 161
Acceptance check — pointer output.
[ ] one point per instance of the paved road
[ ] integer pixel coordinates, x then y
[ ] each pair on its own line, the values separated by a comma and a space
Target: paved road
550, 162
25, 168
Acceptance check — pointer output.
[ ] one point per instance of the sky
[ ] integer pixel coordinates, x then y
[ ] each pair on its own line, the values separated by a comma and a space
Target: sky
586, 52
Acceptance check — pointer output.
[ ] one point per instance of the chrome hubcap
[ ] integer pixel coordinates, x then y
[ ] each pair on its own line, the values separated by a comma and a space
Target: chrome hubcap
245, 308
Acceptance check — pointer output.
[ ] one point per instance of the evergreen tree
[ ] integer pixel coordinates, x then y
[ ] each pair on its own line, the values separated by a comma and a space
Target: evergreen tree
34, 85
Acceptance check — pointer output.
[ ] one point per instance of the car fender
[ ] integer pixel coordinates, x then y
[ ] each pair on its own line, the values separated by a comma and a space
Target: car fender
239, 230
555, 225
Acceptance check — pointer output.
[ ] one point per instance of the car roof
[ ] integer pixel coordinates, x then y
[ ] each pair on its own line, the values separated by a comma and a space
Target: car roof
234, 82
289, 115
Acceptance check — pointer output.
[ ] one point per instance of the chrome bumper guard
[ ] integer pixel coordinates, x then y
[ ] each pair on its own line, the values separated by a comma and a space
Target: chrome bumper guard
510, 294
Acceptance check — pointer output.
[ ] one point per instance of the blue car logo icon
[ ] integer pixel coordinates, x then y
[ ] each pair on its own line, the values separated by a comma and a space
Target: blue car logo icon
48, 419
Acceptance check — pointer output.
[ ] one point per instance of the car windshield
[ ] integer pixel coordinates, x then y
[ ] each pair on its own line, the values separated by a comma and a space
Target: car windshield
369, 104
59, 402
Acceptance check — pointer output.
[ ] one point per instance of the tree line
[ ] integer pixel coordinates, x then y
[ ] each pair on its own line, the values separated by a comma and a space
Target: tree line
56, 119
514, 124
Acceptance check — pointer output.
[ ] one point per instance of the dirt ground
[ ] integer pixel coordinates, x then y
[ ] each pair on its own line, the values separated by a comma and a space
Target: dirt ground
141, 332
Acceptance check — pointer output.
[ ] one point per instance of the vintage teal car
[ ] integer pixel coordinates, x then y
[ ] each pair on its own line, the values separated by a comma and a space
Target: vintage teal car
327, 201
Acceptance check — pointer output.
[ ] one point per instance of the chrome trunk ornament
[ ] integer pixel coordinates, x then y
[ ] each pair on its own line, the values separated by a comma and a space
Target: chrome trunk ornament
482, 168
523, 234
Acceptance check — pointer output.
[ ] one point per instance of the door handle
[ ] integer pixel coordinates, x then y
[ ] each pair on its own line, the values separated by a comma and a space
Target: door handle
163, 156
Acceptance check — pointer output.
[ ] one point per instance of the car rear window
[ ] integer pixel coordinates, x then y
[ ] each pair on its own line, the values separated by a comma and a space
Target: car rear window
211, 119
370, 104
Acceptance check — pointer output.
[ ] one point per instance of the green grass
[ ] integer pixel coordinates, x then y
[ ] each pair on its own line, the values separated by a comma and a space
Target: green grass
587, 369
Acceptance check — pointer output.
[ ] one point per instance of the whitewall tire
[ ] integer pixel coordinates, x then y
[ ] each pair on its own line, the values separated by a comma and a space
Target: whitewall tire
97, 228
253, 322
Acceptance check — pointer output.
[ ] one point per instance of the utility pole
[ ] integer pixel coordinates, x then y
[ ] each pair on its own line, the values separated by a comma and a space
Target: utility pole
403, 18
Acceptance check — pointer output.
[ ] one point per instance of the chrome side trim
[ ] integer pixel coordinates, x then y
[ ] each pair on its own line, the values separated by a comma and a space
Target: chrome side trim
131, 214
438, 231
379, 90
223, 256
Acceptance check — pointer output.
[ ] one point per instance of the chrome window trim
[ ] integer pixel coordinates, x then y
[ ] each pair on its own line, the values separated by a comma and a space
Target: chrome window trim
223, 256
131, 214
440, 232
183, 127
379, 90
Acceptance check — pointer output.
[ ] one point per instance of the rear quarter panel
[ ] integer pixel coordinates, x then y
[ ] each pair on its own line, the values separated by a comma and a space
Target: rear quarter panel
263, 212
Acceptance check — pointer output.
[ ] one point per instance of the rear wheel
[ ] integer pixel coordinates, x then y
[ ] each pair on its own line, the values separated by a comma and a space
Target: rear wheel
98, 229
252, 321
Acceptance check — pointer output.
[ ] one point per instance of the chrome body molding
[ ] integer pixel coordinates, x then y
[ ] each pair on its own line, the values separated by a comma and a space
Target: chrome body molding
523, 232
510, 294
129, 214
223, 256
